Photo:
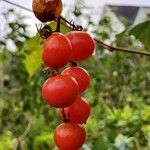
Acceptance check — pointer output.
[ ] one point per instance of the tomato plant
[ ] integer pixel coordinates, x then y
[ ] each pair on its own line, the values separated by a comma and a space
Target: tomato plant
119, 95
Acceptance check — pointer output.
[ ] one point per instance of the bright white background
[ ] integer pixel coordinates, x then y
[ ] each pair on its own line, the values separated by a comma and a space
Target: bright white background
97, 4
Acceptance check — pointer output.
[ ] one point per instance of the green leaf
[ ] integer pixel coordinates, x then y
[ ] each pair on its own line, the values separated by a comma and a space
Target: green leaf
145, 113
43, 141
33, 62
142, 33
33, 59
121, 35
63, 28
103, 144
32, 44
6, 141
91, 125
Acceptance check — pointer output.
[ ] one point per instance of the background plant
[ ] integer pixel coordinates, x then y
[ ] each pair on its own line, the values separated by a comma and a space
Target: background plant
119, 93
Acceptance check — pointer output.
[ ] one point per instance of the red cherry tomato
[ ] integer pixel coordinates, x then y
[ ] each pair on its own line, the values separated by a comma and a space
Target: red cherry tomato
69, 136
60, 91
78, 112
56, 51
82, 45
80, 75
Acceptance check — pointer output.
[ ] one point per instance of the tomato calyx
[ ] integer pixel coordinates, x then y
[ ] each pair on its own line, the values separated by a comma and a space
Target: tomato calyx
45, 31
52, 71
65, 117
77, 28
73, 64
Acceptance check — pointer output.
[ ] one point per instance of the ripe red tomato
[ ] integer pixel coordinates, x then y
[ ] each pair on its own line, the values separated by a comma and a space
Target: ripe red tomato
82, 45
56, 51
78, 112
80, 75
60, 91
69, 136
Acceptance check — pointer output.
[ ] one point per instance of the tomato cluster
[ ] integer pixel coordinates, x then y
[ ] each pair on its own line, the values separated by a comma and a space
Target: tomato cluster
63, 90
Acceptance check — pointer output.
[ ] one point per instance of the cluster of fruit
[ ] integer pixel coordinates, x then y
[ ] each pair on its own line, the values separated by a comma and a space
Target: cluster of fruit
63, 90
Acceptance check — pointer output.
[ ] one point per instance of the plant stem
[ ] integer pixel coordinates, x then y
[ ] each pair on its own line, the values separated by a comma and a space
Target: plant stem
54, 72
58, 24
129, 50
73, 64
64, 115
66, 21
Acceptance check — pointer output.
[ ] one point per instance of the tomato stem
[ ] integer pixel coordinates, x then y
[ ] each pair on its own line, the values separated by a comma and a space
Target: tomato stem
73, 63
58, 25
54, 71
72, 25
44, 31
65, 119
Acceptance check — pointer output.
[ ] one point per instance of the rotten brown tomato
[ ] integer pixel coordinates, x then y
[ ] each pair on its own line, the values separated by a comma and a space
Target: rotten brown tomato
47, 10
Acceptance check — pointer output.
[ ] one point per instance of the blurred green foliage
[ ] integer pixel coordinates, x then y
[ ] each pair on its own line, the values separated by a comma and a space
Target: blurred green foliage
119, 93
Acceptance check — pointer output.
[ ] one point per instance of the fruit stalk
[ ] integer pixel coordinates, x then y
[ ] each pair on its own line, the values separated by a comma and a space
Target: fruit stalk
58, 25
64, 115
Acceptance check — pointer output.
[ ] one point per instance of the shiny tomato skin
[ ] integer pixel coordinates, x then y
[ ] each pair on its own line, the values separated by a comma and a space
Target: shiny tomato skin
80, 75
82, 45
60, 91
69, 136
56, 51
78, 112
